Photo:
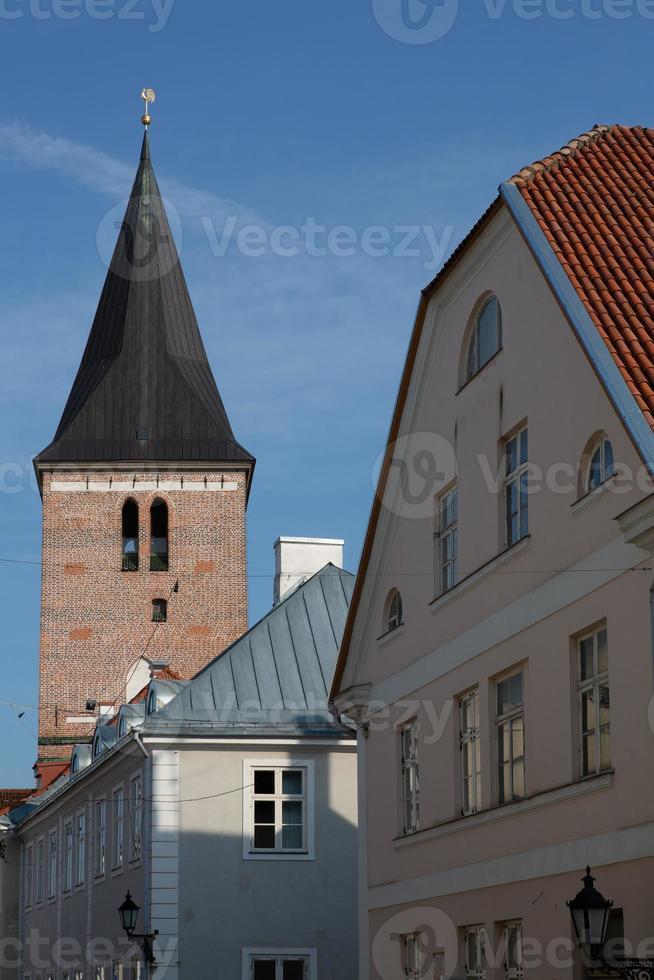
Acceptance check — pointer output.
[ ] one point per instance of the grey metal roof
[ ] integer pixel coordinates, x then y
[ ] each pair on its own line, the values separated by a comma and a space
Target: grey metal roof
278, 675
144, 369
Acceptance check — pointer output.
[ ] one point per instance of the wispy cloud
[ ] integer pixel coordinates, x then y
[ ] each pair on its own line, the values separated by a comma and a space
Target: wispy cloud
113, 178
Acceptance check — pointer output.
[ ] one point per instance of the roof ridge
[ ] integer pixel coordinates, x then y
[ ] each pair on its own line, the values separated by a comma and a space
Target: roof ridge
555, 159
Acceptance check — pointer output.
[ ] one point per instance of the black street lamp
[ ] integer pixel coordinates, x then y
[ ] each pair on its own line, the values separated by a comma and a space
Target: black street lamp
129, 913
590, 914
590, 917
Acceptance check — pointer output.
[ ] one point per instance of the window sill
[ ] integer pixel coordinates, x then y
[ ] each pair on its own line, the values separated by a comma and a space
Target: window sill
570, 791
390, 634
278, 856
593, 495
473, 377
480, 573
117, 871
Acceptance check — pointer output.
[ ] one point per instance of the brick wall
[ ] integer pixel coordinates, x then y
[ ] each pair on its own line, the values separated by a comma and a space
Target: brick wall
96, 619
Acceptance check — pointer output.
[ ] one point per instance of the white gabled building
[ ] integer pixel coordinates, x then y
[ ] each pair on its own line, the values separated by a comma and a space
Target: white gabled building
226, 805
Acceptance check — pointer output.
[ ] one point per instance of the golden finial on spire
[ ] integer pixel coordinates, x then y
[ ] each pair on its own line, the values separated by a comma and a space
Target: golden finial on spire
148, 96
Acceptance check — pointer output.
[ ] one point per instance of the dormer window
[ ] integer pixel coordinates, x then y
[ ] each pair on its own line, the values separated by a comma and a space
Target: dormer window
602, 465
485, 337
152, 702
393, 611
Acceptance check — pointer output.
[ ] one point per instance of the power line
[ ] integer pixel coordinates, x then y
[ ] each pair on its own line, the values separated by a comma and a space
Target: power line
127, 801
385, 574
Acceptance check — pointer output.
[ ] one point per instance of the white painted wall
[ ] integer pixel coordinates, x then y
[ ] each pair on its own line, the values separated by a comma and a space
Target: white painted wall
274, 903
208, 899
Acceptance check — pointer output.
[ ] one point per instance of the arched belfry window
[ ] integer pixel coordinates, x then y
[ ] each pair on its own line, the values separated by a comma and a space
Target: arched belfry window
130, 520
485, 337
159, 536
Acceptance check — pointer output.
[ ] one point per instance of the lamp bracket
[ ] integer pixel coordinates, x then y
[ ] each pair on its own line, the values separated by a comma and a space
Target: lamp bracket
145, 940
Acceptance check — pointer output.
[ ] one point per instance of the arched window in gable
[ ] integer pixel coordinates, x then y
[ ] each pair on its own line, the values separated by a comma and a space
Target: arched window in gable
392, 611
485, 337
130, 527
601, 463
159, 536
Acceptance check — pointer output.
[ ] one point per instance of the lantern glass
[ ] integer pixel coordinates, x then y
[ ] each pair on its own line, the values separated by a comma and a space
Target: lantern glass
598, 920
590, 914
129, 913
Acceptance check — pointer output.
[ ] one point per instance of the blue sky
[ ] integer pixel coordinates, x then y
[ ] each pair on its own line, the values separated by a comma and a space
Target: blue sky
269, 113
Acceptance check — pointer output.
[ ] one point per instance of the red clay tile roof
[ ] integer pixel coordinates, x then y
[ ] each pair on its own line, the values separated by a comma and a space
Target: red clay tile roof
594, 201
10, 798
165, 674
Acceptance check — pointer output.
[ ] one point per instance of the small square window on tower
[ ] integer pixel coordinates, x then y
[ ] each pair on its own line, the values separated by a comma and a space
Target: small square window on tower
159, 610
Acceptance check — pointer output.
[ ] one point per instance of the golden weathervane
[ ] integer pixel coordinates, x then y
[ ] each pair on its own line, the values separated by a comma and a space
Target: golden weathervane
148, 96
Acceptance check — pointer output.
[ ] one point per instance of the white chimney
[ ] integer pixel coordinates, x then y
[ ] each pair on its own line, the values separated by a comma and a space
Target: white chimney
297, 559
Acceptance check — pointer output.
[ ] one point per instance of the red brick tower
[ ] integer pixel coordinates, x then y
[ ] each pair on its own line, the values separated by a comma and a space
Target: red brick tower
144, 492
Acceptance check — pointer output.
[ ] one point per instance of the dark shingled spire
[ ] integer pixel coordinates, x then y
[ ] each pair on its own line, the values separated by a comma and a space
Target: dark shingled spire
144, 390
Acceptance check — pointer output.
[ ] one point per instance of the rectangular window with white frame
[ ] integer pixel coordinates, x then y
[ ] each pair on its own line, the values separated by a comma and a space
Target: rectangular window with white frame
412, 956
67, 882
52, 864
118, 830
410, 777
475, 952
80, 832
278, 810
100, 841
470, 752
594, 702
40, 870
516, 487
136, 816
279, 964
28, 875
513, 967
448, 539
511, 738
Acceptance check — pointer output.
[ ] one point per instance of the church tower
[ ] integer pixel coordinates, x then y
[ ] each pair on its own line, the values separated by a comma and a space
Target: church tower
144, 491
